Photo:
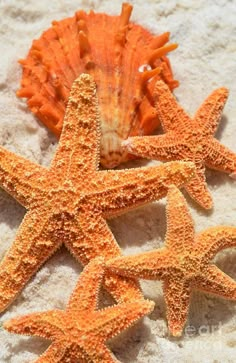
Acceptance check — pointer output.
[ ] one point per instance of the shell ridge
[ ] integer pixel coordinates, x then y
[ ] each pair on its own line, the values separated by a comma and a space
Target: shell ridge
63, 33
54, 51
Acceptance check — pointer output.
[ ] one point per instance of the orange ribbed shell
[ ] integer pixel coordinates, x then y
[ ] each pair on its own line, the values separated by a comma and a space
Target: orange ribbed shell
125, 60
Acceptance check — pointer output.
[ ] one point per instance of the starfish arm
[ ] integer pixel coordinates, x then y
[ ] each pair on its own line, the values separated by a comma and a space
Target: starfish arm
216, 282
219, 157
197, 189
208, 115
150, 265
20, 177
112, 320
54, 354
177, 297
33, 245
86, 299
139, 186
214, 239
171, 114
95, 351
78, 149
180, 226
164, 147
96, 240
48, 325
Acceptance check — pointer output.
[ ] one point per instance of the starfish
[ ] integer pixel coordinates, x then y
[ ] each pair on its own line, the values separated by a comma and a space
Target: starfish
70, 201
184, 263
79, 333
188, 140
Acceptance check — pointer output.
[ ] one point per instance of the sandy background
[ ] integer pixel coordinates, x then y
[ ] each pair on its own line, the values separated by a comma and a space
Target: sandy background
205, 60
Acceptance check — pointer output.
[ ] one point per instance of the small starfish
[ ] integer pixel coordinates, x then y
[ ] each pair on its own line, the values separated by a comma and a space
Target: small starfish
188, 140
79, 333
184, 263
68, 202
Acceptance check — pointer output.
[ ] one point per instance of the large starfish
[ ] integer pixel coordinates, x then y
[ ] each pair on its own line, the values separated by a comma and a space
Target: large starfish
184, 263
68, 202
187, 139
79, 333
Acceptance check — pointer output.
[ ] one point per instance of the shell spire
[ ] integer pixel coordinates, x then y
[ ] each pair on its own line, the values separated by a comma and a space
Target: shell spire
124, 22
160, 52
125, 61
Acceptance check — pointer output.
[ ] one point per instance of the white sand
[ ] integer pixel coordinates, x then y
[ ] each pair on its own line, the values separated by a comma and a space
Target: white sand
205, 60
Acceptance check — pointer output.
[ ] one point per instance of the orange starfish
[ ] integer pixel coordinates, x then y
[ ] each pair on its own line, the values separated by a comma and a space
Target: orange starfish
79, 333
187, 139
184, 263
68, 202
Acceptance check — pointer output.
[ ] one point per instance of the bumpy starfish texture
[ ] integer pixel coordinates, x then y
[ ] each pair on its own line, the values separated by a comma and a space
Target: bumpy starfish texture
79, 333
69, 202
184, 263
188, 140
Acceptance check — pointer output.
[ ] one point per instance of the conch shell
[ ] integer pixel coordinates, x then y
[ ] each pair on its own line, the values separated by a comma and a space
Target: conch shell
125, 60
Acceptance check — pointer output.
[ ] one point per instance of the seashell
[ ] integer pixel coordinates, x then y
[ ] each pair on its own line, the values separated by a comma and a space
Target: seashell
125, 60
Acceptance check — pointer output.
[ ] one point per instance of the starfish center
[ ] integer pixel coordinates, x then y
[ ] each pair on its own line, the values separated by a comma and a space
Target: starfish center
189, 264
62, 199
